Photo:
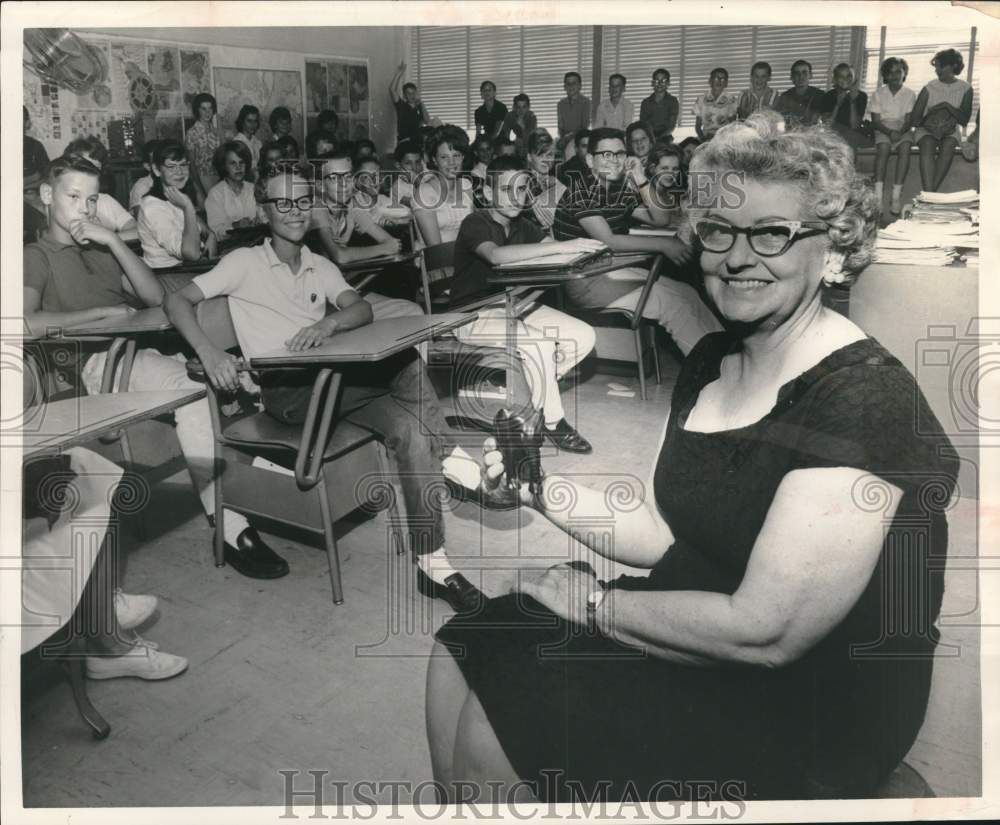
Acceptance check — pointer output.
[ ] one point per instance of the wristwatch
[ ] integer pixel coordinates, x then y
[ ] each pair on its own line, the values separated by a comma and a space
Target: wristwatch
594, 601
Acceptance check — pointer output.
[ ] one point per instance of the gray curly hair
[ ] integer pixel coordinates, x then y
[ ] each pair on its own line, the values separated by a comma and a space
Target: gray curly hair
817, 161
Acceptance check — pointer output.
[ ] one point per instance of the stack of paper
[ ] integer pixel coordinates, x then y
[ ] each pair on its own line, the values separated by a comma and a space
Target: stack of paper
940, 228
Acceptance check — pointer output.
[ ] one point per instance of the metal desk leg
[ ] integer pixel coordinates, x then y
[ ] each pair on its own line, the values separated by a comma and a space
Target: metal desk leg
511, 344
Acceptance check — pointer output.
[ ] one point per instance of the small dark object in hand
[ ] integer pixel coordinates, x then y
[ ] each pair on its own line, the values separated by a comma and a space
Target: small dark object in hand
519, 439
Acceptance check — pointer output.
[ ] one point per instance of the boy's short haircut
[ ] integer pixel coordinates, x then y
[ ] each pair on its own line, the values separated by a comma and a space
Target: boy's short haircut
761, 64
364, 142
278, 113
949, 57
327, 120
719, 70
486, 83
661, 70
582, 134
407, 147
603, 133
539, 141
88, 145
357, 163
313, 139
236, 146
688, 141
847, 66
281, 169
289, 146
341, 152
798, 63
620, 77
409, 86
890, 63
522, 96
70, 163
505, 163
568, 75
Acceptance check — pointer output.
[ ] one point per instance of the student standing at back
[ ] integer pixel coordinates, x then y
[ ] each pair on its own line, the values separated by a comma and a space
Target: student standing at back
760, 95
490, 116
411, 114
616, 112
660, 109
800, 104
573, 111
716, 107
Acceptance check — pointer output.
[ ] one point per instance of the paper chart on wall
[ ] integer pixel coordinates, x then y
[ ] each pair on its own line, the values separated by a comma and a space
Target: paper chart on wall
263, 88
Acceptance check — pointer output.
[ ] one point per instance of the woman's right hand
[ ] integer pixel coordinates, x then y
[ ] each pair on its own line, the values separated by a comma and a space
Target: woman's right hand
177, 198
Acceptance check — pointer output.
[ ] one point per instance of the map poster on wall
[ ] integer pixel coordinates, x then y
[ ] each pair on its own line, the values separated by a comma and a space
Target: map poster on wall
165, 74
195, 77
263, 88
340, 85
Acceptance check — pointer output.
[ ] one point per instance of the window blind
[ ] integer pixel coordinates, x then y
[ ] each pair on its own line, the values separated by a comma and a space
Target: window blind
691, 52
452, 62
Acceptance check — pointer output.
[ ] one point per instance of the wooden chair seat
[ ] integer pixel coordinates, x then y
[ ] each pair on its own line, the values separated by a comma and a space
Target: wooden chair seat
262, 430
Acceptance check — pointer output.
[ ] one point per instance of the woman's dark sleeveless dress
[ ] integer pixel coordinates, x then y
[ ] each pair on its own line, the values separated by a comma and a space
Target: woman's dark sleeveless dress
579, 714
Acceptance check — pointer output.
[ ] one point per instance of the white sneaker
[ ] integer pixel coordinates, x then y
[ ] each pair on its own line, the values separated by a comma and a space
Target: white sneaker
142, 662
132, 611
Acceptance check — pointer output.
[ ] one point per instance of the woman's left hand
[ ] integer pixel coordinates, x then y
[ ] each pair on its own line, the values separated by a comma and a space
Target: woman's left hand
562, 589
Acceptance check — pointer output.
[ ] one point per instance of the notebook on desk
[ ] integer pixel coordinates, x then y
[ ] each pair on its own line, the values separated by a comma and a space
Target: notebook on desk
555, 260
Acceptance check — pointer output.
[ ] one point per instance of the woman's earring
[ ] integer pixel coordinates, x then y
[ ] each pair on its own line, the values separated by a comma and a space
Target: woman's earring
833, 269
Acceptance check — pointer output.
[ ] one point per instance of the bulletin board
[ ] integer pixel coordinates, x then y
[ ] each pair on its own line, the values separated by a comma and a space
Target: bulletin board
154, 82
340, 85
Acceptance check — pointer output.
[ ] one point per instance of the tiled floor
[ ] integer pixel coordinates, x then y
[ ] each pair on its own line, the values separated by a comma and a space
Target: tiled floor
281, 679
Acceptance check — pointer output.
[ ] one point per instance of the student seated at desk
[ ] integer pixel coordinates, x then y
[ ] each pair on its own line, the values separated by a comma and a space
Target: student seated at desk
338, 223
501, 234
600, 207
230, 203
368, 195
170, 229
282, 295
107, 614
81, 271
409, 158
444, 198
109, 212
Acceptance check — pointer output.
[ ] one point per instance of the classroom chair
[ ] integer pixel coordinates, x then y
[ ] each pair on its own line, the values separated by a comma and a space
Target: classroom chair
331, 468
623, 334
466, 365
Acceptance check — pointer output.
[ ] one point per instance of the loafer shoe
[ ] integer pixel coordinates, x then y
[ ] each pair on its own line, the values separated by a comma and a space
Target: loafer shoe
461, 594
141, 662
131, 611
499, 498
565, 437
253, 558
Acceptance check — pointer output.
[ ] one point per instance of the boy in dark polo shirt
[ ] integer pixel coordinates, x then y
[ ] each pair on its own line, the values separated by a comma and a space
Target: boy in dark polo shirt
81, 271
600, 206
550, 342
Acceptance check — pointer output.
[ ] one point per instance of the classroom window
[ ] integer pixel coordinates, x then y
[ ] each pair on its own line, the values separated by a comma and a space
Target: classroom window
917, 46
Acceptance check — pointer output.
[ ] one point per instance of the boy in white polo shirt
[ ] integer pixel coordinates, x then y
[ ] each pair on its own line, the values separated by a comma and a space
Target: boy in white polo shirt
283, 295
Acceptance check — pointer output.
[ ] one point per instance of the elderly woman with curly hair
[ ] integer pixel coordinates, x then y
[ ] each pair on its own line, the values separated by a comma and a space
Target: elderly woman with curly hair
781, 645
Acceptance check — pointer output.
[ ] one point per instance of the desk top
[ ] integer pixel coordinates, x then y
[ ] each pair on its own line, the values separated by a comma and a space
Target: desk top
152, 319
370, 264
53, 427
372, 342
553, 277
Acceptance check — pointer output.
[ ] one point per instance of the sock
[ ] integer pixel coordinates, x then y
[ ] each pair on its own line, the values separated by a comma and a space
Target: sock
462, 468
878, 190
552, 425
436, 565
897, 192
233, 525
